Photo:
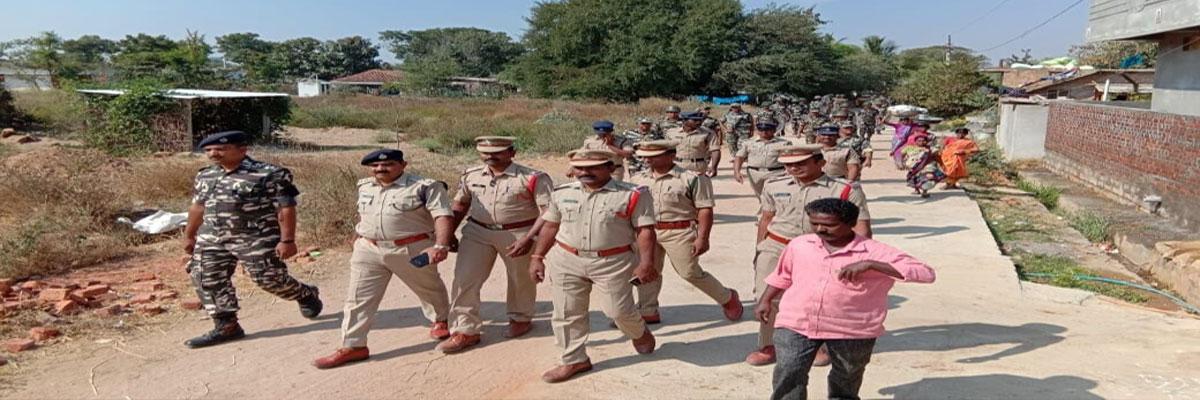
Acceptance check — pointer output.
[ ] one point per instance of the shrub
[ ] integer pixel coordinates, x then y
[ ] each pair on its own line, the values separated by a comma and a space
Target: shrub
988, 168
1064, 272
1092, 226
8, 113
122, 126
1047, 195
57, 112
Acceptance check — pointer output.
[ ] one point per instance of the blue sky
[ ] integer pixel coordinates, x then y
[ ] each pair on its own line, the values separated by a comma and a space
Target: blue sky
911, 23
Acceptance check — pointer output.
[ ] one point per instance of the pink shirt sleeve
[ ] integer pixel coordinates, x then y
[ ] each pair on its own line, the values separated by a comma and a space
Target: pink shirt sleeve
782, 277
912, 269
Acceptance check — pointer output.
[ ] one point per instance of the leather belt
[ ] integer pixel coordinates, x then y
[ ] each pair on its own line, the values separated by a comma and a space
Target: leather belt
705, 159
778, 238
404, 241
504, 227
772, 169
595, 254
673, 225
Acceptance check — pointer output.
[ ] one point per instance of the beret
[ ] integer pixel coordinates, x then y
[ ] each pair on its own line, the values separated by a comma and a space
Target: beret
602, 125
692, 115
827, 130
228, 137
383, 155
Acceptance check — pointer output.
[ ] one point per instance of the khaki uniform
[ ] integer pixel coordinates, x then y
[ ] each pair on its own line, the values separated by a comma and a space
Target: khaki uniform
678, 197
591, 221
761, 160
838, 160
787, 198
495, 201
401, 211
695, 148
665, 125
620, 142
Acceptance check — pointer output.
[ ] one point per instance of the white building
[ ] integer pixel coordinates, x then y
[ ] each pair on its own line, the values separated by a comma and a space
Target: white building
17, 79
1175, 26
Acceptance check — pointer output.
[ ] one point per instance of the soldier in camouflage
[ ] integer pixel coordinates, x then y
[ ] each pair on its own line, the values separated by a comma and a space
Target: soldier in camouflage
737, 127
709, 122
670, 121
243, 210
645, 132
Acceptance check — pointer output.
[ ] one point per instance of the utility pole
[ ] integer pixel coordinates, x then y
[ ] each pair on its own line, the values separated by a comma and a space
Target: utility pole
949, 45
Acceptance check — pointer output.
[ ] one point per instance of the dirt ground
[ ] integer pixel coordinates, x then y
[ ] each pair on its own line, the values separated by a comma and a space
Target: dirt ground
978, 332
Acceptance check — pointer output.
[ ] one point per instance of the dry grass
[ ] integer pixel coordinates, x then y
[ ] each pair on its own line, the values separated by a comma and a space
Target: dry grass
449, 125
57, 112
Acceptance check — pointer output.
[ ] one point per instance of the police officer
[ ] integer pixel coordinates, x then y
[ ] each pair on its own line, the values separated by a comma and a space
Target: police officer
606, 140
502, 202
644, 132
589, 237
738, 125
683, 204
783, 218
847, 138
671, 120
405, 228
243, 210
699, 148
759, 156
840, 162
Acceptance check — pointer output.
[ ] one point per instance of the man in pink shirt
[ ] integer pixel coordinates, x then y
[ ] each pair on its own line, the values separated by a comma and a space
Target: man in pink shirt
835, 286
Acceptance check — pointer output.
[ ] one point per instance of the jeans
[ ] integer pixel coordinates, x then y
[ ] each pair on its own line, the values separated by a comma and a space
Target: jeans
794, 354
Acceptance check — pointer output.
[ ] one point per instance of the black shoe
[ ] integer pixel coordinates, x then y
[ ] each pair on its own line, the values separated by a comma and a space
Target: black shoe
310, 307
218, 335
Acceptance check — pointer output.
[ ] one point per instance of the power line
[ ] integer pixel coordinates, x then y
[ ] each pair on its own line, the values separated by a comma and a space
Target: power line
1036, 27
981, 17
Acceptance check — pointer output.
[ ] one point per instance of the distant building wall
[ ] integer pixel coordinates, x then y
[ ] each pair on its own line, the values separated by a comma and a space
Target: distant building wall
1177, 82
1129, 154
1022, 130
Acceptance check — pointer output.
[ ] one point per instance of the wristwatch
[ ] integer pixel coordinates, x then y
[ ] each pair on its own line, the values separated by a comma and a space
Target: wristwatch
441, 247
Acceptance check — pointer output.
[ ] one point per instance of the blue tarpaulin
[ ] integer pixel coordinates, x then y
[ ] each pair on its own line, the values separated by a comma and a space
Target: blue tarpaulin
745, 98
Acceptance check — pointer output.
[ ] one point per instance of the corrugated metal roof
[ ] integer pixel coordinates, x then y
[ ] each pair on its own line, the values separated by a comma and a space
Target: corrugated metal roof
193, 93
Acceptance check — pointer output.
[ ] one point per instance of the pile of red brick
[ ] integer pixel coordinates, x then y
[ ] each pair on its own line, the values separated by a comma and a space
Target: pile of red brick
145, 295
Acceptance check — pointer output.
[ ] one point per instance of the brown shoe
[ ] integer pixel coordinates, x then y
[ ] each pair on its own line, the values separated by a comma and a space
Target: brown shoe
458, 342
822, 358
518, 328
440, 330
655, 318
644, 344
341, 357
763, 356
733, 308
565, 372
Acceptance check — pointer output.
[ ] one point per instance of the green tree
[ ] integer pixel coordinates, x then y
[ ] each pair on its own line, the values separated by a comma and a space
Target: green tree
947, 89
624, 49
90, 50
142, 56
781, 51
300, 58
43, 52
880, 46
1110, 54
348, 55
913, 59
475, 52
254, 55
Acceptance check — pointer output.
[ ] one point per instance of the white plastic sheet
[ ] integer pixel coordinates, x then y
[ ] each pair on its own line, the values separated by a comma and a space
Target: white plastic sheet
159, 222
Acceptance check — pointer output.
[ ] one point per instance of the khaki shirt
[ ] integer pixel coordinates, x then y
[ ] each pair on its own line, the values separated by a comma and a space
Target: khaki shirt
619, 141
696, 144
786, 198
837, 161
596, 220
506, 198
761, 153
401, 209
678, 195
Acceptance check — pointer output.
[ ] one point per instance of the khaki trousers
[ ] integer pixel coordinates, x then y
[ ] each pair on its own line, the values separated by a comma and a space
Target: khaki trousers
677, 244
477, 252
699, 167
758, 178
371, 268
766, 259
572, 278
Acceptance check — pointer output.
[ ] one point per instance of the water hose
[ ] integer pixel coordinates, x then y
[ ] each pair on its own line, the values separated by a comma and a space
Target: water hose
1190, 308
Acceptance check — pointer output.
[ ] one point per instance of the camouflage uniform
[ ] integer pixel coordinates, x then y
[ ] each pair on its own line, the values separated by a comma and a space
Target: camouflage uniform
633, 164
665, 125
240, 224
738, 129
864, 119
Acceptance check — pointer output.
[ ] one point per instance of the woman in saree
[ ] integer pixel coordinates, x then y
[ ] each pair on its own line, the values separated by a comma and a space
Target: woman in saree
904, 129
954, 155
923, 171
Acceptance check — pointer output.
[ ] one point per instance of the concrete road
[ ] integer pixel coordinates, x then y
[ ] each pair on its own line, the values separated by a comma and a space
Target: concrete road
976, 333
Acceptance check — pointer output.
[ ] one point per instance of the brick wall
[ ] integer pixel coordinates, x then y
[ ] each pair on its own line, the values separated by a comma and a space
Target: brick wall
1129, 154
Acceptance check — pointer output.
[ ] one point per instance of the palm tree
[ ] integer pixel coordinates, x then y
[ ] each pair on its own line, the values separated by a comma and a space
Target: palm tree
880, 46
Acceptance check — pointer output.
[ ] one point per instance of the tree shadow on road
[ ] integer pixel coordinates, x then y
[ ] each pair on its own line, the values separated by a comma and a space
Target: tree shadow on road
1024, 338
917, 232
995, 386
884, 221
719, 219
934, 197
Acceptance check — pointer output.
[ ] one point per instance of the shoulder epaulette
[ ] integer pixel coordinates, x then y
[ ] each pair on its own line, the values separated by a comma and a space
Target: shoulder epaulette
364, 181
566, 186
